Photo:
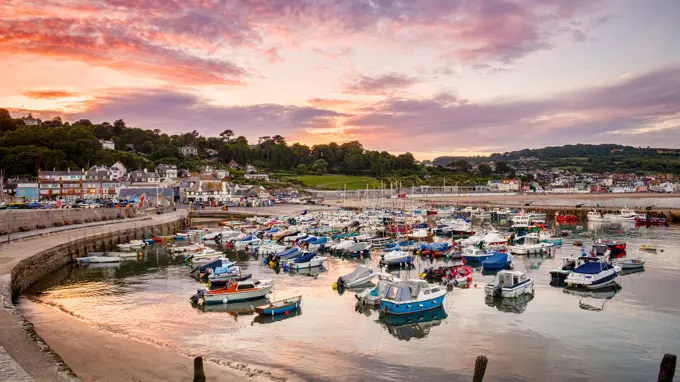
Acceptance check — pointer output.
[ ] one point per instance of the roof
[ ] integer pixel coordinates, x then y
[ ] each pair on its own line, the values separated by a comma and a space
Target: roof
149, 191
164, 166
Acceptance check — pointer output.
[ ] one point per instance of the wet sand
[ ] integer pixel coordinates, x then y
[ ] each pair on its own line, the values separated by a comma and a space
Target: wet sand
97, 355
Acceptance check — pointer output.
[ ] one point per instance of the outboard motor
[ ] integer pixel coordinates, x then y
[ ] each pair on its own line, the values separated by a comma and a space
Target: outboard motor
199, 294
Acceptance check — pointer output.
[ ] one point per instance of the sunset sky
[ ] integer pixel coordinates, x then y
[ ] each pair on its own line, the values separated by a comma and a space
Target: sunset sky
433, 77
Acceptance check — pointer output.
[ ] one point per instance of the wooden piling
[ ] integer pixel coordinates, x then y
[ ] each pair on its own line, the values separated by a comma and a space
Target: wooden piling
480, 368
199, 375
667, 368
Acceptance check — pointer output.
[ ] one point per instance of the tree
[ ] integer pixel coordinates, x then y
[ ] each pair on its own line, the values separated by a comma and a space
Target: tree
278, 139
320, 167
462, 165
484, 169
227, 135
301, 169
503, 168
6, 121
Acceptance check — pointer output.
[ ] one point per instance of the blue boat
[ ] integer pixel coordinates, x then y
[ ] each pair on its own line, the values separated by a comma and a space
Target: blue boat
279, 307
475, 255
412, 296
498, 260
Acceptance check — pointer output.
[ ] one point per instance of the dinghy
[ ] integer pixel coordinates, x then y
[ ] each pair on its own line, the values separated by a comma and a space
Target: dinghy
234, 291
279, 307
360, 276
631, 264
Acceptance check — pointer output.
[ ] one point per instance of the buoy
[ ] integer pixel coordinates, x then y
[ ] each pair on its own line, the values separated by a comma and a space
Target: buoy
335, 286
475, 285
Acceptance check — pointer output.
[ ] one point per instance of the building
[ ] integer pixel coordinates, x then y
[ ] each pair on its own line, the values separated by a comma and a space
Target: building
233, 165
208, 190
118, 170
30, 121
211, 152
108, 145
188, 151
143, 176
167, 171
219, 173
262, 177
250, 169
28, 191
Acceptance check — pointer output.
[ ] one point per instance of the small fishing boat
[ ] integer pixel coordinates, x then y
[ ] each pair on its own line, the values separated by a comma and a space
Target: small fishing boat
594, 216
222, 281
650, 221
360, 275
631, 264
475, 255
132, 245
564, 218
234, 291
498, 260
372, 296
99, 259
510, 284
530, 244
569, 263
396, 258
279, 307
305, 261
593, 273
411, 296
648, 248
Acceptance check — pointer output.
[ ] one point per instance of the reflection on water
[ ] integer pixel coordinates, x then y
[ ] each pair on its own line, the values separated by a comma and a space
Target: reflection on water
633, 327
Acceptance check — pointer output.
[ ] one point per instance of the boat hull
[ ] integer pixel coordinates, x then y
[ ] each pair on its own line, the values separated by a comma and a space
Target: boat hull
526, 287
409, 307
314, 263
279, 307
224, 298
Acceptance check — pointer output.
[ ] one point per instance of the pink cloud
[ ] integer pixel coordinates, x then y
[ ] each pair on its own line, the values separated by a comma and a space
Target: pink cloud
379, 85
49, 94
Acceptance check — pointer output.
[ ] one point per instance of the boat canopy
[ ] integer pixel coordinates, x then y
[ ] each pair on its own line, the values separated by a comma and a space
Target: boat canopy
305, 258
497, 258
434, 247
223, 270
358, 273
402, 291
247, 238
593, 267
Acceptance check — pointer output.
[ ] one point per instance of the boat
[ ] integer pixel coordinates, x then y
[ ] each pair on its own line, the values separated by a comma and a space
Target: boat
396, 258
461, 275
498, 260
475, 255
594, 216
234, 291
277, 317
360, 275
593, 273
222, 281
279, 307
650, 221
509, 284
631, 264
626, 214
412, 326
132, 245
530, 244
99, 259
306, 260
411, 296
247, 242
564, 218
271, 249
648, 248
569, 263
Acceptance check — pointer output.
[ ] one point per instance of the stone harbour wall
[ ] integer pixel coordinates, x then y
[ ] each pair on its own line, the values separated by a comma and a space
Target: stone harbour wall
33, 268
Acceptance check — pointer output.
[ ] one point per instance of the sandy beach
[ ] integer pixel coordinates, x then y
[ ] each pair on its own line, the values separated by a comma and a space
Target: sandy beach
97, 355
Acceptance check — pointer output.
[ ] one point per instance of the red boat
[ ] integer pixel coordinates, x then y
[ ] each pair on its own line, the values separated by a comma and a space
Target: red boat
650, 221
564, 218
461, 275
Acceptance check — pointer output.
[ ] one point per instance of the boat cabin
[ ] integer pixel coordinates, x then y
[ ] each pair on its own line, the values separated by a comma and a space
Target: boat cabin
508, 279
409, 290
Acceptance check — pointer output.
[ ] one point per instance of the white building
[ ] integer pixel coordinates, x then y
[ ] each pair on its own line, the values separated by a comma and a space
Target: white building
108, 145
509, 186
30, 121
188, 151
167, 171
143, 177
263, 177
118, 170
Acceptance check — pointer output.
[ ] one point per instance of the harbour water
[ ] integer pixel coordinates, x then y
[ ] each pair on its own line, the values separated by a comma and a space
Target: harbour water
556, 336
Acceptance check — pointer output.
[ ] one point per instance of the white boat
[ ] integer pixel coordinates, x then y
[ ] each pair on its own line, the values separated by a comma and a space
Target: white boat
474, 254
220, 235
132, 245
631, 264
569, 263
186, 248
531, 244
594, 216
249, 242
396, 257
472, 240
625, 214
372, 296
271, 249
99, 259
593, 273
510, 284
359, 276
305, 261
234, 291
494, 241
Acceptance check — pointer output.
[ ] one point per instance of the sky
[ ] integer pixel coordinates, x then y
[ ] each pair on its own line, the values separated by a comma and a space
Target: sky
431, 77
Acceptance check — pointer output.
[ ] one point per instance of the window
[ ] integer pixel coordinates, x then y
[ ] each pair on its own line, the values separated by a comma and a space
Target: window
435, 290
244, 286
426, 292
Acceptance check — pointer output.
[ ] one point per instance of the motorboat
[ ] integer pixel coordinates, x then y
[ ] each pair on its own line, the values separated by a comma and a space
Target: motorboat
132, 245
305, 261
249, 242
279, 307
530, 244
224, 235
510, 284
564, 218
595, 216
650, 221
396, 258
626, 214
173, 248
498, 260
631, 264
475, 255
411, 296
569, 263
99, 259
494, 241
547, 237
593, 273
271, 249
359, 276
234, 291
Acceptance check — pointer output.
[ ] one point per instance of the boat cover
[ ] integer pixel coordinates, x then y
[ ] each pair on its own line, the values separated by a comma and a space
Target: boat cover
496, 258
211, 265
305, 258
358, 273
223, 270
592, 268
317, 240
434, 247
247, 238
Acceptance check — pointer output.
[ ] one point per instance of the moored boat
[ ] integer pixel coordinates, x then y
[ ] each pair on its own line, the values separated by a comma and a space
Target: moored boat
279, 307
593, 273
569, 263
510, 284
361, 275
234, 291
412, 296
498, 260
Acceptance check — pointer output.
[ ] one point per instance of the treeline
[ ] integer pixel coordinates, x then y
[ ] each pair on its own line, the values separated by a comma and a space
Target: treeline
54, 144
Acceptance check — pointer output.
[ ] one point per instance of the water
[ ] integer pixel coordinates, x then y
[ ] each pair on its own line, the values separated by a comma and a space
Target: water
555, 336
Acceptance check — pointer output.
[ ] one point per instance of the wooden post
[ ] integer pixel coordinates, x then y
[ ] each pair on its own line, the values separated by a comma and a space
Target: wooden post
480, 368
199, 376
667, 368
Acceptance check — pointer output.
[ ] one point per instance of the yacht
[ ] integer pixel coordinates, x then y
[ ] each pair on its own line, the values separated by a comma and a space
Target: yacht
531, 243
510, 284
593, 273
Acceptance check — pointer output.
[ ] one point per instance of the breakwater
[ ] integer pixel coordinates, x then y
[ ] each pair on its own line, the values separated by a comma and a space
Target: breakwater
27, 220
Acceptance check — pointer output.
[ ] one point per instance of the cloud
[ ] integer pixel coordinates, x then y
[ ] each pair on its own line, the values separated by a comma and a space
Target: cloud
273, 55
379, 85
323, 102
646, 106
49, 94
